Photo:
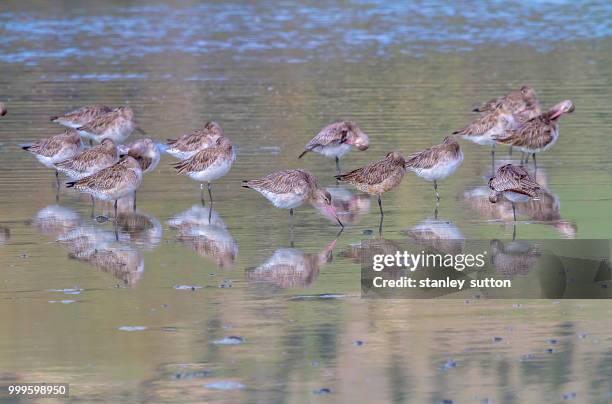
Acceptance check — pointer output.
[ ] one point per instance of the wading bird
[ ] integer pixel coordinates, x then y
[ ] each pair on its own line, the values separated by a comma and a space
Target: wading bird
55, 149
189, 144
336, 140
538, 134
436, 162
515, 184
289, 189
209, 164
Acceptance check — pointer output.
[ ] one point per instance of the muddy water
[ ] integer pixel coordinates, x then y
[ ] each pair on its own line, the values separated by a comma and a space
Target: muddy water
146, 311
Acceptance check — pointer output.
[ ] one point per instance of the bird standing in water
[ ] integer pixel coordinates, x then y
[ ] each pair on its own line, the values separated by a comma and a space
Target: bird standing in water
538, 134
209, 164
55, 149
116, 125
289, 189
336, 140
112, 183
378, 177
189, 144
515, 184
436, 162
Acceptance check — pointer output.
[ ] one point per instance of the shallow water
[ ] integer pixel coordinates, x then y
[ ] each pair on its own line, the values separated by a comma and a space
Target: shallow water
135, 315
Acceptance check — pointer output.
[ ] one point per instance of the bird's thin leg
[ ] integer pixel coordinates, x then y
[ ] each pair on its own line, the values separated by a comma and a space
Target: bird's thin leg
493, 159
510, 151
436, 191
380, 226
90, 142
291, 227
513, 211
337, 165
202, 194
134, 201
115, 210
535, 164
526, 158
57, 183
380, 206
436, 212
513, 232
210, 194
93, 207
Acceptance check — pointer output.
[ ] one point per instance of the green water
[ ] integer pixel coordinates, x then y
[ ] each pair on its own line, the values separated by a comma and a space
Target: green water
270, 102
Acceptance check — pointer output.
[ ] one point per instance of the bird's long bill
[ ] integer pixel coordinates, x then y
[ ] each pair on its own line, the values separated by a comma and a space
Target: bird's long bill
331, 210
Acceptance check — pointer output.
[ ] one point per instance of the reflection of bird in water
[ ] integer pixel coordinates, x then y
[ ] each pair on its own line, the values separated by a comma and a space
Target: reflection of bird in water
101, 249
349, 207
545, 210
5, 234
204, 231
515, 258
292, 267
56, 220
373, 246
441, 235
140, 229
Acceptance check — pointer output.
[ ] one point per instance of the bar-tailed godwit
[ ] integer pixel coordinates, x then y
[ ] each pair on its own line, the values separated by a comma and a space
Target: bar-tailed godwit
111, 183
523, 103
289, 189
81, 116
436, 162
488, 126
515, 184
538, 134
145, 151
209, 164
117, 125
56, 148
90, 161
189, 144
378, 177
336, 140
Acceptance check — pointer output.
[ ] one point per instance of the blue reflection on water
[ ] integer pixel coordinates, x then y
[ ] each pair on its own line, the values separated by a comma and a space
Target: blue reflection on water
293, 32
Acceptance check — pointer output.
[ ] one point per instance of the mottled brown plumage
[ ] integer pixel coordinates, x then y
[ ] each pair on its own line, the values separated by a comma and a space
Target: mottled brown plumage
523, 103
205, 158
90, 161
117, 125
511, 179
288, 189
146, 152
189, 144
113, 182
377, 177
81, 116
538, 134
334, 135
448, 150
487, 126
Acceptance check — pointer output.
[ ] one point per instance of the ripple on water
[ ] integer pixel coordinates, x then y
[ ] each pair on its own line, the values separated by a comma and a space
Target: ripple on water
225, 385
131, 328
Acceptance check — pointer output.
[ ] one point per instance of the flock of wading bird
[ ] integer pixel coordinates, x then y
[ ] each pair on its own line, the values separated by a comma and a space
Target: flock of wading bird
111, 170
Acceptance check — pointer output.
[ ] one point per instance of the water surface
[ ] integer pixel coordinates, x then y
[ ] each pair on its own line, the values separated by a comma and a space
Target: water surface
135, 315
